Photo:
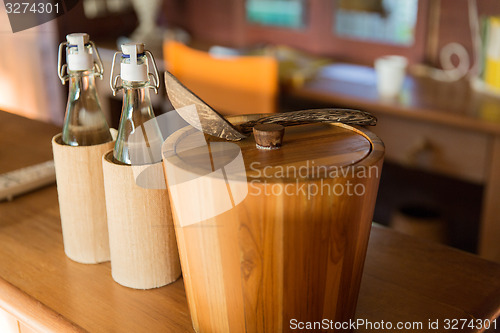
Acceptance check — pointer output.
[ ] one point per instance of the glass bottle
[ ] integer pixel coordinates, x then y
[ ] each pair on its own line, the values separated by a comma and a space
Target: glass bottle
139, 137
84, 122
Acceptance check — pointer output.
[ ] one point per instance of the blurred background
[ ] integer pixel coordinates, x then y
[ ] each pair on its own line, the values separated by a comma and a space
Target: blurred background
441, 176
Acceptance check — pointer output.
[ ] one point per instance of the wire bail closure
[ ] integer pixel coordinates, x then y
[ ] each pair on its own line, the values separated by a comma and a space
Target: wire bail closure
116, 82
62, 69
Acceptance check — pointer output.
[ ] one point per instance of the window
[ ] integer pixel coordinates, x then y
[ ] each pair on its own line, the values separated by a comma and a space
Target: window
391, 22
280, 13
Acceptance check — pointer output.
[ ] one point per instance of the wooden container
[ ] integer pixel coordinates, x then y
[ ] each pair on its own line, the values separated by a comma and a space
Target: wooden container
141, 234
80, 187
420, 221
260, 245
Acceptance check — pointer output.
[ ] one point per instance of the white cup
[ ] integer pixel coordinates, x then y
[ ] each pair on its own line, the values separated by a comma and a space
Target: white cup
391, 72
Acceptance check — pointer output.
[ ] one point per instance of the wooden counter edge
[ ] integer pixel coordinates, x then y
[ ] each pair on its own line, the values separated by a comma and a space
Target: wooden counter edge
31, 312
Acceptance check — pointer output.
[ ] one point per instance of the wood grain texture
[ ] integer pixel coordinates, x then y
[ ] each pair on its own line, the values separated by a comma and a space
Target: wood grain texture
33, 313
8, 323
444, 273
229, 26
282, 253
80, 185
141, 235
457, 115
490, 227
268, 136
51, 293
23, 154
454, 23
452, 104
436, 148
25, 329
432, 34
404, 279
40, 285
293, 118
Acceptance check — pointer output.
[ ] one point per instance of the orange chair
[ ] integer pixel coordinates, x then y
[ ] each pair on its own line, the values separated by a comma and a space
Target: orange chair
235, 85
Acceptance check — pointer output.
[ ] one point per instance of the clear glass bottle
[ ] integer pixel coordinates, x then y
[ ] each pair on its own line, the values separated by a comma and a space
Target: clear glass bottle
139, 136
84, 122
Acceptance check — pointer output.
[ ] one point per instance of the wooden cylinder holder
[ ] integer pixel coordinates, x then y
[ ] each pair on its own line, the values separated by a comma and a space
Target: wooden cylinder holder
269, 236
141, 233
80, 187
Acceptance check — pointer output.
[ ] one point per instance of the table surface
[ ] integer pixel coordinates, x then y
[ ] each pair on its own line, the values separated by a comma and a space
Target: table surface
421, 98
404, 279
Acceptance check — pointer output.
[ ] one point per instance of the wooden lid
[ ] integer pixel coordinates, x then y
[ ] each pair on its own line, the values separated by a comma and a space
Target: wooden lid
305, 150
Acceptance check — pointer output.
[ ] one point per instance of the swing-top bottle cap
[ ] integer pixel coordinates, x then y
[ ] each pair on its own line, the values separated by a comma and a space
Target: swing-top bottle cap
135, 69
74, 39
130, 48
78, 59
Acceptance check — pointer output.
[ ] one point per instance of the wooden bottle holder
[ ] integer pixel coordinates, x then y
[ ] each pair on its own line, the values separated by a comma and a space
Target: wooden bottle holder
141, 232
80, 187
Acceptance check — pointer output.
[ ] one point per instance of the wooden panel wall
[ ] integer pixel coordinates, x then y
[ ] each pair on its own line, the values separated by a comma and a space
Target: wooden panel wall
213, 21
454, 22
100, 29
223, 22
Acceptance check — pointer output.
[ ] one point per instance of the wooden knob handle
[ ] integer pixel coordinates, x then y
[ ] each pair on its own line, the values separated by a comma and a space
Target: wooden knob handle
268, 136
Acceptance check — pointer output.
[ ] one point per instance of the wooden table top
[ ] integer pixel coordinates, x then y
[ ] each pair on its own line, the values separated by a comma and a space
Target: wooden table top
404, 279
422, 98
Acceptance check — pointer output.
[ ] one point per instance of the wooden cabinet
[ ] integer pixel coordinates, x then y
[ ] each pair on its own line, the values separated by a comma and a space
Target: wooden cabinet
440, 127
435, 147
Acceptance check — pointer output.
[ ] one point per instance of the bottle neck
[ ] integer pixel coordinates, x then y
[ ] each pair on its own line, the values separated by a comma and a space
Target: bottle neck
81, 81
137, 105
139, 137
136, 95
84, 123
